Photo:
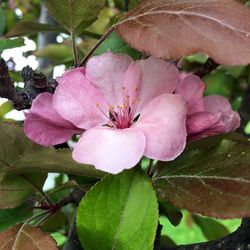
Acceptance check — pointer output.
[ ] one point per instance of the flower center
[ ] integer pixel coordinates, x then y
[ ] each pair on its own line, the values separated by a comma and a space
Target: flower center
121, 116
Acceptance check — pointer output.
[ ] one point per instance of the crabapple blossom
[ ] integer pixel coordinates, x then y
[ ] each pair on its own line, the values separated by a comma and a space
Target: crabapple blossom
124, 109
207, 116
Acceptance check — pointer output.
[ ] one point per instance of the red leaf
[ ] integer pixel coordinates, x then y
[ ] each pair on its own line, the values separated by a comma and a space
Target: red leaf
175, 28
26, 237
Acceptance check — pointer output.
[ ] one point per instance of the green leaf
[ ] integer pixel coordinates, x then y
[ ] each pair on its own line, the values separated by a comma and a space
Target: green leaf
2, 20
10, 217
59, 238
5, 108
119, 212
58, 53
115, 44
211, 228
24, 28
11, 43
172, 213
75, 14
212, 177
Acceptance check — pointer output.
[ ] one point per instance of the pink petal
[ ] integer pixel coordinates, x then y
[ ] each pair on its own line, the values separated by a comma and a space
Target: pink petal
76, 100
204, 124
158, 77
191, 88
110, 150
163, 121
44, 125
107, 72
132, 82
230, 118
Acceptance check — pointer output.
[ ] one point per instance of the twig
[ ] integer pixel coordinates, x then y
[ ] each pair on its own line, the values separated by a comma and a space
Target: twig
126, 4
239, 240
207, 68
102, 39
150, 165
73, 240
74, 48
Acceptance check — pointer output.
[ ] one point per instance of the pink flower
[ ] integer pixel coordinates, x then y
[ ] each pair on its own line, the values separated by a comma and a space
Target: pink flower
207, 116
124, 109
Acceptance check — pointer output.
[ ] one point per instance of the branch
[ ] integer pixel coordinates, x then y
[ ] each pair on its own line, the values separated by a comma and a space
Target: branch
207, 68
8, 90
239, 240
74, 198
35, 83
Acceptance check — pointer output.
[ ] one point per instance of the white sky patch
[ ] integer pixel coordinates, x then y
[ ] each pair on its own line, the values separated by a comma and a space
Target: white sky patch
58, 70
16, 115
17, 55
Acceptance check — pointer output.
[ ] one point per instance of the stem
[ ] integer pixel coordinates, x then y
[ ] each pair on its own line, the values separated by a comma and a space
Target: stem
38, 189
102, 39
74, 48
73, 36
150, 167
126, 2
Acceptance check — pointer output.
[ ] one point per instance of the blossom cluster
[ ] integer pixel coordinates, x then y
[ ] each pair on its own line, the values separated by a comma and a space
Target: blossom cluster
124, 109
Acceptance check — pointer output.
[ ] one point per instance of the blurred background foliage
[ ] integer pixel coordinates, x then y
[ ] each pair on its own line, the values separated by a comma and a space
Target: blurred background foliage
28, 36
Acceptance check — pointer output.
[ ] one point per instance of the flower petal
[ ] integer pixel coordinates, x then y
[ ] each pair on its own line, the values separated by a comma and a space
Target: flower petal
163, 121
158, 77
44, 125
107, 72
191, 88
230, 118
132, 82
76, 100
110, 150
204, 124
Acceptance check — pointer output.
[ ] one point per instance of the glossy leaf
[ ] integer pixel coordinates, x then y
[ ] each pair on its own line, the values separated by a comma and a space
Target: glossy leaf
211, 177
11, 43
75, 14
10, 217
120, 212
177, 28
115, 44
211, 228
26, 237
24, 28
